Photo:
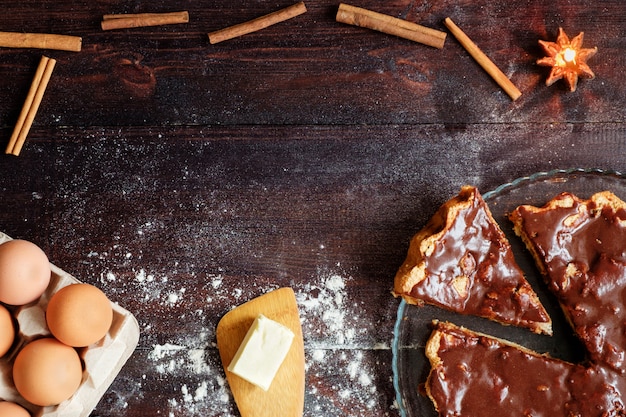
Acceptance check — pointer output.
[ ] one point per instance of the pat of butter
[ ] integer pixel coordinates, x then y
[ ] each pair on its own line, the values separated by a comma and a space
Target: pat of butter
262, 352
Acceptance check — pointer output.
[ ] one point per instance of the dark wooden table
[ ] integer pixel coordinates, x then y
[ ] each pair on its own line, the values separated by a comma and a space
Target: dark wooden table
185, 178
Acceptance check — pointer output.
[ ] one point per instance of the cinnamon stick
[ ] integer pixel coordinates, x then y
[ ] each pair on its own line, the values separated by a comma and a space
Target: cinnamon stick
40, 40
483, 60
390, 25
31, 105
181, 15
257, 24
126, 21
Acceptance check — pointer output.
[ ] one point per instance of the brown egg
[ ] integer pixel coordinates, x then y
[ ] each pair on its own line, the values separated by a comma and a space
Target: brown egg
9, 409
7, 331
24, 272
47, 372
79, 315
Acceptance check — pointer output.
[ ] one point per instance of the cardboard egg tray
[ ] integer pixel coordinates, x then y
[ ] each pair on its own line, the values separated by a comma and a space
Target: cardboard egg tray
102, 361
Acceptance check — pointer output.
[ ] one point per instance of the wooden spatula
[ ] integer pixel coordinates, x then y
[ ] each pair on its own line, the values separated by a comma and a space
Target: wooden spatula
285, 396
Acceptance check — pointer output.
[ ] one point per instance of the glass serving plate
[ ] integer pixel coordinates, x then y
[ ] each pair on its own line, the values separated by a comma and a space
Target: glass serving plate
412, 328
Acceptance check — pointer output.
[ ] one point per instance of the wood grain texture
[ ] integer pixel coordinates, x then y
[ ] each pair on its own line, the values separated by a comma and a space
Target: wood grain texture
185, 178
285, 395
315, 70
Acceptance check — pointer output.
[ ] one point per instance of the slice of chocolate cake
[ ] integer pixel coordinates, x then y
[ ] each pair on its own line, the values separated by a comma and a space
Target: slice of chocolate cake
461, 261
580, 247
473, 374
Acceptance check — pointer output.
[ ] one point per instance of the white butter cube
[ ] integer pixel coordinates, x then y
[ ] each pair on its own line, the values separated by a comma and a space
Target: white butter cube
262, 352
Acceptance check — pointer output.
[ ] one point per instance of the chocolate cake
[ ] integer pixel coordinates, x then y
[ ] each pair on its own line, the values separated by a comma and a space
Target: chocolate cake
580, 248
462, 262
473, 374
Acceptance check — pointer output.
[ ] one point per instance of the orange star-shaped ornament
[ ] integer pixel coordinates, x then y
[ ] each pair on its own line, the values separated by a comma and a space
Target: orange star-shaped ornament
567, 58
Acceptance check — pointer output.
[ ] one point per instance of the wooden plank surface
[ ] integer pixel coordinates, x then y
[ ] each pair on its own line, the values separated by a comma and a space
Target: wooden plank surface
185, 178
312, 69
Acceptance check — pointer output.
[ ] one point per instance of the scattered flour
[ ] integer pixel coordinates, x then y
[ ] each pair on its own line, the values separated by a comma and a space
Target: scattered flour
329, 320
326, 301
151, 288
160, 351
318, 355
204, 391
174, 297
217, 282
356, 389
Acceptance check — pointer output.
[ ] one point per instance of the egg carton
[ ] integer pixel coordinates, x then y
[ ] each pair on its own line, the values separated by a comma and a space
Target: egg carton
102, 361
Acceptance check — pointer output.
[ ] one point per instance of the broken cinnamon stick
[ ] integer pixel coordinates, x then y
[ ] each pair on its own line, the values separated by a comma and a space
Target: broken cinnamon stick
483, 60
257, 24
390, 25
40, 40
126, 21
31, 105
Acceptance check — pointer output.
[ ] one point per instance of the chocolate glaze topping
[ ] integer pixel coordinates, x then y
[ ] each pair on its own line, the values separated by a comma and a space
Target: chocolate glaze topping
476, 375
582, 247
472, 269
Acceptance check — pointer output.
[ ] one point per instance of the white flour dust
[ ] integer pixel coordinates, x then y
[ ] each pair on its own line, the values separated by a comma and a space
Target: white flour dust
329, 317
190, 366
156, 290
327, 302
189, 362
203, 390
356, 389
